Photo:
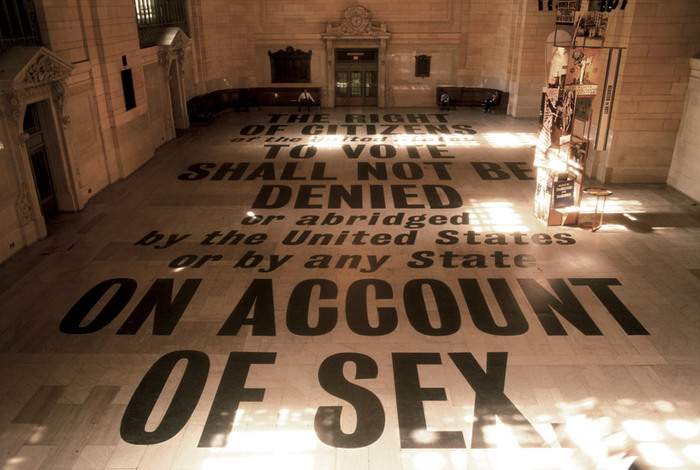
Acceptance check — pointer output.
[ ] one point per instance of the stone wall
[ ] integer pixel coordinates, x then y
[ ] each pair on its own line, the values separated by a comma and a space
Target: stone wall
94, 140
684, 174
488, 43
658, 40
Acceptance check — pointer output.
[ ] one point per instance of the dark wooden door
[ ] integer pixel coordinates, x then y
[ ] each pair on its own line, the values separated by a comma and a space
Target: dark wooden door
44, 183
38, 157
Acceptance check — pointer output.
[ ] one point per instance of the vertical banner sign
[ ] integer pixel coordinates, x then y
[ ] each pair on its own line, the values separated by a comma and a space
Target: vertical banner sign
613, 67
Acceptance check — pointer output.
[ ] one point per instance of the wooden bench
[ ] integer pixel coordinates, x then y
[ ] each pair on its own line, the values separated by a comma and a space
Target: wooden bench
272, 96
205, 107
472, 96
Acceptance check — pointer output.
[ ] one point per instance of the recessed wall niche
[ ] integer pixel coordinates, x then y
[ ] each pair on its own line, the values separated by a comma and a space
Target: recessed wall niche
128, 86
422, 66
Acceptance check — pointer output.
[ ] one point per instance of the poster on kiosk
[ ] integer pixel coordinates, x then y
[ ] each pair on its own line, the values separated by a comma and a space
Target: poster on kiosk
563, 141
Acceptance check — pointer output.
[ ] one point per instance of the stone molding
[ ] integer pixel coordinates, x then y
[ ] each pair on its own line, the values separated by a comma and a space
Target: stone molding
28, 72
25, 212
356, 21
172, 45
10, 102
357, 29
43, 70
695, 67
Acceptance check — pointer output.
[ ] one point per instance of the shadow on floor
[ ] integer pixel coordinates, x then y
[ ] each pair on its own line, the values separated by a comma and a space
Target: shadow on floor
642, 222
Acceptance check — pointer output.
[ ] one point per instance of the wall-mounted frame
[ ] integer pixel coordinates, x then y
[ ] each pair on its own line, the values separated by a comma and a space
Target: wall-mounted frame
422, 66
290, 66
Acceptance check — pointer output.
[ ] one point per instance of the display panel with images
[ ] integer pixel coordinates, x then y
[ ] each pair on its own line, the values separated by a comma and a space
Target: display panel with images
583, 67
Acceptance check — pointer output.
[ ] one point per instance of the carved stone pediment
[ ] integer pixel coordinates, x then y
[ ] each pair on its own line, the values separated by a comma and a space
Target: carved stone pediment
29, 66
171, 44
173, 38
356, 21
26, 71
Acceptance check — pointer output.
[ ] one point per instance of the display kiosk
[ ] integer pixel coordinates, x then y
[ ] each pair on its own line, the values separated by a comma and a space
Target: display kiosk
565, 117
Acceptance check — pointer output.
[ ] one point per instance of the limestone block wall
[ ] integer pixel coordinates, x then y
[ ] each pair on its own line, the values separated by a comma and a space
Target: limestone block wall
684, 173
491, 43
222, 33
101, 40
65, 26
473, 43
97, 140
418, 28
658, 41
528, 56
85, 140
491, 34
405, 89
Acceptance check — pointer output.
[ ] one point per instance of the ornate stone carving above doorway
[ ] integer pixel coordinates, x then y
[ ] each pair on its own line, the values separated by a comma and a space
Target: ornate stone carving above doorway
172, 53
172, 45
357, 30
356, 21
28, 72
31, 75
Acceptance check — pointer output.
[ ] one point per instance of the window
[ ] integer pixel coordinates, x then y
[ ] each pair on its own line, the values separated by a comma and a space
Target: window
290, 66
370, 85
341, 84
356, 84
128, 87
18, 24
153, 16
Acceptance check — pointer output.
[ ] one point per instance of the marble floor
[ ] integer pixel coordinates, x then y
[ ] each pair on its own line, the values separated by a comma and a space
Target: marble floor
353, 289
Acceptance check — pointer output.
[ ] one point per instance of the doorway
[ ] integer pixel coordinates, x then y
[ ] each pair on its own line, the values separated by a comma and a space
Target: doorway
39, 159
356, 77
177, 99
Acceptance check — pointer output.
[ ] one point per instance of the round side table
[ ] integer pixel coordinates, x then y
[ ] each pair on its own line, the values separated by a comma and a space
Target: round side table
598, 193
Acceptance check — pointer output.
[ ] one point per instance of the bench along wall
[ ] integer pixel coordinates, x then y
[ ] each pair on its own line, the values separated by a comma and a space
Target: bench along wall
473, 97
205, 107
